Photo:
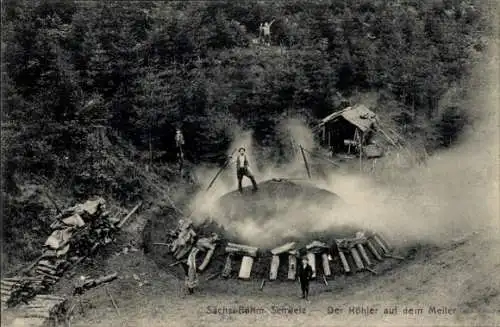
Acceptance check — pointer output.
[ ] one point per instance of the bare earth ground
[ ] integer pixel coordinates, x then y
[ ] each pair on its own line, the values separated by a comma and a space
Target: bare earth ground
461, 275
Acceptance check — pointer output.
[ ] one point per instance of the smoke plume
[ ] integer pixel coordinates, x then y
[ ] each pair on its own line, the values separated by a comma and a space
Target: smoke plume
454, 193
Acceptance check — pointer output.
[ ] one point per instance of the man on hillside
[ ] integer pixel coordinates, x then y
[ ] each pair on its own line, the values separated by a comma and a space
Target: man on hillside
179, 144
243, 169
266, 30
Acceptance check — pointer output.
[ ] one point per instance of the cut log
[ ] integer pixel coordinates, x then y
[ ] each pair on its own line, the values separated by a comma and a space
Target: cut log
365, 257
385, 242
357, 259
380, 244
273, 272
393, 256
246, 267
8, 282
373, 250
50, 297
345, 265
45, 315
316, 244
326, 265
47, 275
284, 248
311, 257
244, 249
292, 266
106, 279
226, 272
207, 259
46, 270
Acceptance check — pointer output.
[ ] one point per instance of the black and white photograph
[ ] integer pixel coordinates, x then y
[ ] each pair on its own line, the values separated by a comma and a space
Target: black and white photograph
250, 163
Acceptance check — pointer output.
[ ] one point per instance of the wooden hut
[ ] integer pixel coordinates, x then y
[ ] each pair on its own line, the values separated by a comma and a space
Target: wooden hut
347, 130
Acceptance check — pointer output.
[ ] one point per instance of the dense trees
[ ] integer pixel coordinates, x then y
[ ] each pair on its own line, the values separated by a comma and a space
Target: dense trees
143, 68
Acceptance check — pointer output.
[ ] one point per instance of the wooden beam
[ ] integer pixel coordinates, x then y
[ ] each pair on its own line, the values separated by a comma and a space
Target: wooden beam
235, 248
129, 215
305, 162
273, 271
284, 248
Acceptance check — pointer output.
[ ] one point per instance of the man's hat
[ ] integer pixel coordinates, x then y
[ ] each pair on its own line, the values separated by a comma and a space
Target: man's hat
242, 148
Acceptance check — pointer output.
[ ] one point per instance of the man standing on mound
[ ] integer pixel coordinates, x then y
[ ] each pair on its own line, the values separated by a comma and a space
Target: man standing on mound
243, 169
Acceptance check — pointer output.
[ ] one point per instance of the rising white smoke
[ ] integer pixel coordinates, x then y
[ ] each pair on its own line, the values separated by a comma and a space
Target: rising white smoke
456, 192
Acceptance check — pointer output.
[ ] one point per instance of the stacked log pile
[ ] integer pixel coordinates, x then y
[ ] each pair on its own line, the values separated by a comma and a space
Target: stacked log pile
43, 310
76, 233
16, 289
329, 258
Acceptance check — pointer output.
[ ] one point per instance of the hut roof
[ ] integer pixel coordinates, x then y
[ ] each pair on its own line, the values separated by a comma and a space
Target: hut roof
358, 115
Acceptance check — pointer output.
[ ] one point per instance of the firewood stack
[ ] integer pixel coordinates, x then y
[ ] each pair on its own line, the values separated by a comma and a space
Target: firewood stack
77, 232
17, 289
48, 309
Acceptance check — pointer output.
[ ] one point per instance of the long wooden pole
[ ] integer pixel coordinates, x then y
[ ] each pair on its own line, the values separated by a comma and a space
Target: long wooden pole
305, 161
322, 157
129, 215
220, 171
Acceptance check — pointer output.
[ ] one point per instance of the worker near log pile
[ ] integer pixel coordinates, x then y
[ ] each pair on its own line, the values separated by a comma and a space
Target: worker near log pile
305, 275
190, 270
243, 169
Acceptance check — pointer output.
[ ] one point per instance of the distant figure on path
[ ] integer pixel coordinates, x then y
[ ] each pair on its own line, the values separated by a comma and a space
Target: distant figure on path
305, 275
243, 169
266, 30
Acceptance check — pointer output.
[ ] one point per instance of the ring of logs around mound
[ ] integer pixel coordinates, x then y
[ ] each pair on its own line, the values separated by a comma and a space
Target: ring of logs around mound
360, 253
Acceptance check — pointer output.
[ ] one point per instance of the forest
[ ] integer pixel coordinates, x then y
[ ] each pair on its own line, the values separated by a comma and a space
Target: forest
90, 90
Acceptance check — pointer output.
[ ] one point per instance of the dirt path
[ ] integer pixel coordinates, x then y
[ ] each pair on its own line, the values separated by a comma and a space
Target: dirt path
461, 277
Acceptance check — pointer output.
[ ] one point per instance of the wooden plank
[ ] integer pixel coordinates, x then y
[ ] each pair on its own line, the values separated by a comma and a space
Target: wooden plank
311, 257
246, 267
284, 248
345, 264
292, 266
326, 265
357, 259
273, 271
365, 257
373, 250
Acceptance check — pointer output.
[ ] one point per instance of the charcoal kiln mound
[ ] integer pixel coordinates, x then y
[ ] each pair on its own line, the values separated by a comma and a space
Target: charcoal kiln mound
274, 198
281, 211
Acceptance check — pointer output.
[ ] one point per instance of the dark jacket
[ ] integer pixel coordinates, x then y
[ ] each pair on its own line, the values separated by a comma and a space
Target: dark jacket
305, 274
